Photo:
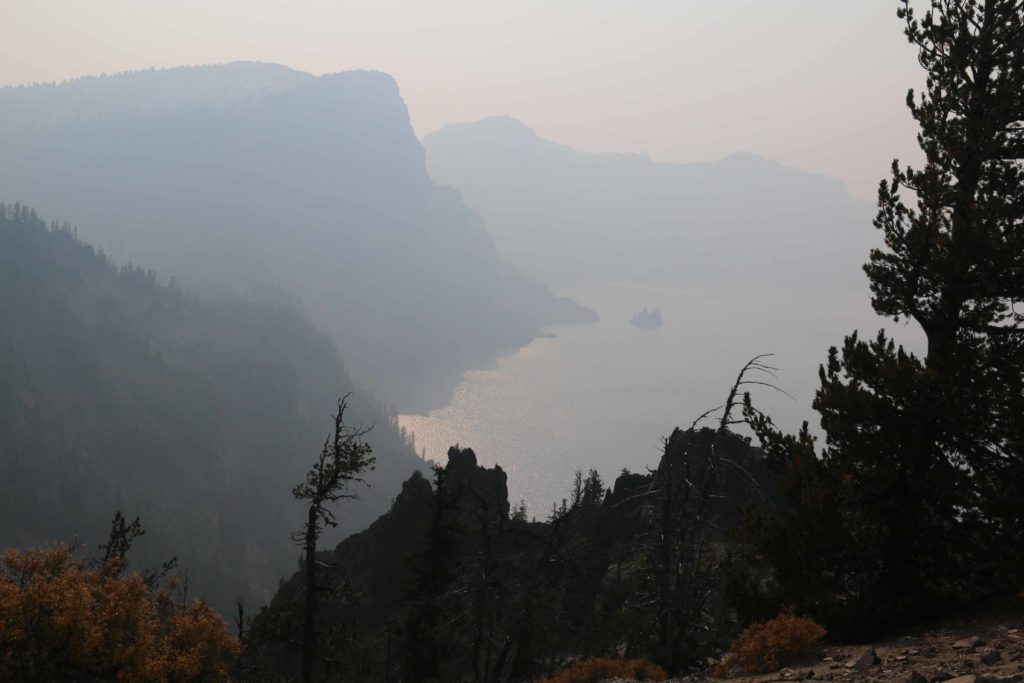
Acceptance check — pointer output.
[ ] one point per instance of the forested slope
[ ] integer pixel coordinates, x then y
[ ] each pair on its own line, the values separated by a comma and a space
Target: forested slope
118, 393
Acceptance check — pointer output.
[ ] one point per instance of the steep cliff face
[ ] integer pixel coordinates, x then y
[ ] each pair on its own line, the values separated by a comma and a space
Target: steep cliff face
249, 176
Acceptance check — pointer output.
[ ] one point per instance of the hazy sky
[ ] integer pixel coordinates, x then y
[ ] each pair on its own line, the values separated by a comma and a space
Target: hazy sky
816, 84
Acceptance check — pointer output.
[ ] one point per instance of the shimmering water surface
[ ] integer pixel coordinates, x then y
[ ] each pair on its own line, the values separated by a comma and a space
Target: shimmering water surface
602, 396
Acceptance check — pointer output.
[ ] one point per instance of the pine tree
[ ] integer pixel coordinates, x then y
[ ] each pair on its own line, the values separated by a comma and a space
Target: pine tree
343, 460
924, 459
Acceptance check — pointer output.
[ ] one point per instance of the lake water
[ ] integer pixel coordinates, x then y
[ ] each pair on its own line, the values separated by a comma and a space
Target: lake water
602, 396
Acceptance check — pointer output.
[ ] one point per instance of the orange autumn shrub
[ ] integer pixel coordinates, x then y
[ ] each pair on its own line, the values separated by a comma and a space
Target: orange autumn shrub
596, 669
202, 645
61, 619
767, 646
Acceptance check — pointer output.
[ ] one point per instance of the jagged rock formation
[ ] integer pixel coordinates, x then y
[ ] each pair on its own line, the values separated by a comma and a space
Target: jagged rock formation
458, 559
378, 559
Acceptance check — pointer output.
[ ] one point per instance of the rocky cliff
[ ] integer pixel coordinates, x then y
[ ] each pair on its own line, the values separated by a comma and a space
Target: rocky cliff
256, 178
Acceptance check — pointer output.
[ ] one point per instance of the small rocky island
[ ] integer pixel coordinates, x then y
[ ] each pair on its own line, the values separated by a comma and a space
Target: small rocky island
647, 319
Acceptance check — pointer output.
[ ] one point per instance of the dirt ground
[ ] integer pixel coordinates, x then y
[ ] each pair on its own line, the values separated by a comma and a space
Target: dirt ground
983, 646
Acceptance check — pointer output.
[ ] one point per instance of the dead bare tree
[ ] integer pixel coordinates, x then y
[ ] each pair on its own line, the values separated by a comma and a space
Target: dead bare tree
686, 498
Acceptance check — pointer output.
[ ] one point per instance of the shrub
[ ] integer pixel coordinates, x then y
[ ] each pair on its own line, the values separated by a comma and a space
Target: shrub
62, 619
769, 645
597, 669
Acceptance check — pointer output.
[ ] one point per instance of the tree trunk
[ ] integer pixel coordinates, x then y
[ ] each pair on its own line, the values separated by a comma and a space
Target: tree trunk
665, 558
308, 614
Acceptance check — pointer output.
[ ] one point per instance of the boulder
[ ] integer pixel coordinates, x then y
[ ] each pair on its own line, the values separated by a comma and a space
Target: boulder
865, 661
991, 657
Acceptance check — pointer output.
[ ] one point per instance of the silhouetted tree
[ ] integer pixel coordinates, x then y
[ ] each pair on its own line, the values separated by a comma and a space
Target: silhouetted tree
425, 647
122, 538
924, 463
343, 460
689, 502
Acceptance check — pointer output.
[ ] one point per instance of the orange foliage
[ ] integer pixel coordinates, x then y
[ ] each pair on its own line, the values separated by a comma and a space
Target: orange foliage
61, 619
596, 669
767, 646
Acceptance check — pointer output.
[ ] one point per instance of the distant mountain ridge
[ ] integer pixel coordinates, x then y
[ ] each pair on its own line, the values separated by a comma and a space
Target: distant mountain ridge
148, 90
574, 217
244, 177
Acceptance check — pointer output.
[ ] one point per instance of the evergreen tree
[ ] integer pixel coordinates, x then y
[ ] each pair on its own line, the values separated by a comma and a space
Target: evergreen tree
343, 460
924, 462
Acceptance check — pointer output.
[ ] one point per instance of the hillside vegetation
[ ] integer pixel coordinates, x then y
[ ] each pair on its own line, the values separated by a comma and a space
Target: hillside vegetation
118, 393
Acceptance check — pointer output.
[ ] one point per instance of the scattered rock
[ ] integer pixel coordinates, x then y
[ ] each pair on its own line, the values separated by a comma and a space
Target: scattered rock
1012, 678
942, 676
967, 643
865, 661
991, 657
917, 677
